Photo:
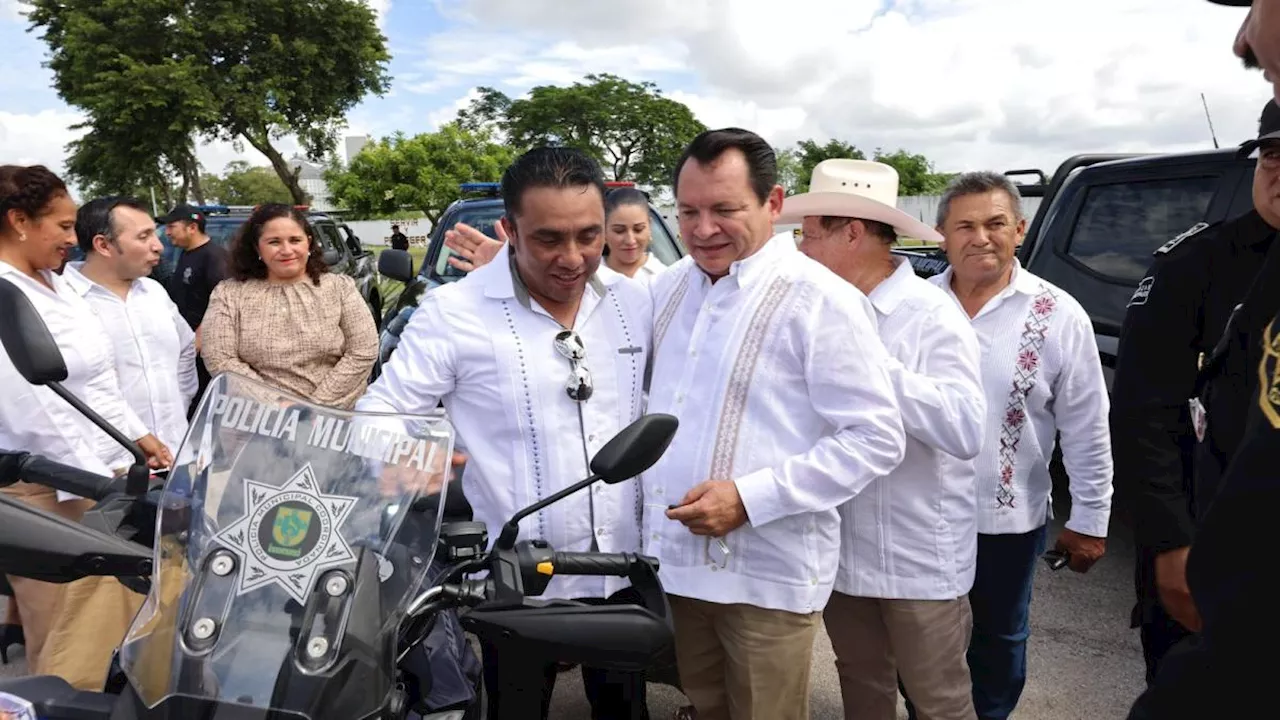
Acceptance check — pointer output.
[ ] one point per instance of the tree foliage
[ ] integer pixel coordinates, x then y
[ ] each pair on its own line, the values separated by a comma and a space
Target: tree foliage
421, 172
915, 173
165, 72
630, 128
245, 184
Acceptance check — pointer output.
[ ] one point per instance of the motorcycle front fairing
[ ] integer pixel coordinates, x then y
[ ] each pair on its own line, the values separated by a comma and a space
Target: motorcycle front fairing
281, 572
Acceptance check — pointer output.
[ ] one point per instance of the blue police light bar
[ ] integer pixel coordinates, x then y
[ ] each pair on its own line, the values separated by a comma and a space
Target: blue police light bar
488, 188
213, 209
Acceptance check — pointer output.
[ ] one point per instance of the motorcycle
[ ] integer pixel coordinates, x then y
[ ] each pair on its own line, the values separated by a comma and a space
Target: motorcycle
296, 558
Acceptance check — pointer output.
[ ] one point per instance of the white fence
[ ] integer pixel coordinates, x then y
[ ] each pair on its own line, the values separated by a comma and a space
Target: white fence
378, 232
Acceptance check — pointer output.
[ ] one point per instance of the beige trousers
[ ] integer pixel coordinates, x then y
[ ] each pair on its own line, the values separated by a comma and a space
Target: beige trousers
72, 628
923, 641
741, 662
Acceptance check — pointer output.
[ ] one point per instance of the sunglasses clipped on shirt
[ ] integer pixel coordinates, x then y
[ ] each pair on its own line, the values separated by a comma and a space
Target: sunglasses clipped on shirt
570, 346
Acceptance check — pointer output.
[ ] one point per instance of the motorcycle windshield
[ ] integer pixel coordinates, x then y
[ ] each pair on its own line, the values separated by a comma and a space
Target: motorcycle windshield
289, 540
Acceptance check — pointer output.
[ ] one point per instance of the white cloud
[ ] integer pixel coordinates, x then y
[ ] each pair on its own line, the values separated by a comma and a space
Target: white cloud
969, 83
37, 138
380, 7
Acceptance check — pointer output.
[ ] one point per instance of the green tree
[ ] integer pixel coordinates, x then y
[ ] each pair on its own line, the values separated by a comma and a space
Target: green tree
420, 172
807, 155
249, 71
915, 173
245, 184
630, 128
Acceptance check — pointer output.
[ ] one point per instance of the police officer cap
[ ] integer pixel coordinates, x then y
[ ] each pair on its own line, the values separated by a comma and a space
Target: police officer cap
1268, 128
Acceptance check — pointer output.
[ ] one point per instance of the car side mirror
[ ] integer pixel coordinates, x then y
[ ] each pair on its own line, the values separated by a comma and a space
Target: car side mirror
635, 449
35, 354
332, 257
396, 264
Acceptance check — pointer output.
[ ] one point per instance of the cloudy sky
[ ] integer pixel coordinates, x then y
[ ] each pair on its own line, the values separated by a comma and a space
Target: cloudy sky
970, 83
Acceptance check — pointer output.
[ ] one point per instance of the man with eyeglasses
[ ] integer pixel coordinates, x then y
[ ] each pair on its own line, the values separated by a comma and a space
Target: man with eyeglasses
539, 361
1182, 388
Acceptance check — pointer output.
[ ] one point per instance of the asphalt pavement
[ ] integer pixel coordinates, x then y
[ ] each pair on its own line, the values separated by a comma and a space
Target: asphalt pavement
1085, 663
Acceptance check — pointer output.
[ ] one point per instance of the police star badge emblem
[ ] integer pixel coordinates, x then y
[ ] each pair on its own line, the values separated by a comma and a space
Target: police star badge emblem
288, 534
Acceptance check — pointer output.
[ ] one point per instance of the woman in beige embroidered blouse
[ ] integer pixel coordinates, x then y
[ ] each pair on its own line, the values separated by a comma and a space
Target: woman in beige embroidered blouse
284, 319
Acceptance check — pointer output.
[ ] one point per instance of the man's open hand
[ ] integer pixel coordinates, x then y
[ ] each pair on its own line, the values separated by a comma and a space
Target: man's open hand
471, 247
712, 508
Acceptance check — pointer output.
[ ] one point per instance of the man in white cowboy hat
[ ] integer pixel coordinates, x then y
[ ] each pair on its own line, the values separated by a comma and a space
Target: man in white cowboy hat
1042, 376
909, 540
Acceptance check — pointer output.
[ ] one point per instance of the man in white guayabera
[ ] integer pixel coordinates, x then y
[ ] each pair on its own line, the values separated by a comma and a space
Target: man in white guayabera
539, 361
909, 540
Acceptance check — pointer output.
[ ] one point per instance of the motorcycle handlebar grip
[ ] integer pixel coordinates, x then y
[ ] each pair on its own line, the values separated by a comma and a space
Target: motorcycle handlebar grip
586, 563
43, 471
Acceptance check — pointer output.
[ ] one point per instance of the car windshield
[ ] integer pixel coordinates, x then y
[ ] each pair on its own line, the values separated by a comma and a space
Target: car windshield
289, 539
480, 217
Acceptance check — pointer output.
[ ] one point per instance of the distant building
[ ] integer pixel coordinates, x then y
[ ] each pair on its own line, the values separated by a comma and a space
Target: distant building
311, 175
356, 143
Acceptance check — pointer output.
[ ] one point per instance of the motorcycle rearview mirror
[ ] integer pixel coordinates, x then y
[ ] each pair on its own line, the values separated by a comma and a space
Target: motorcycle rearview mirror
35, 354
632, 451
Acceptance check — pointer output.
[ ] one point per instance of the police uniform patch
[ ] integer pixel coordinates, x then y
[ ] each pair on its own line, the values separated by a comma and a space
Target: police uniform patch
288, 534
1144, 290
1269, 376
1169, 246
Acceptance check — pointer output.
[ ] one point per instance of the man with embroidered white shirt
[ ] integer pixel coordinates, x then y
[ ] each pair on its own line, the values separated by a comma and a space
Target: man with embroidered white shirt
786, 411
539, 360
154, 347
1042, 374
909, 540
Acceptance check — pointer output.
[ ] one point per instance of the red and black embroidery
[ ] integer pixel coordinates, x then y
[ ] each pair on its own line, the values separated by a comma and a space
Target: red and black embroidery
1026, 368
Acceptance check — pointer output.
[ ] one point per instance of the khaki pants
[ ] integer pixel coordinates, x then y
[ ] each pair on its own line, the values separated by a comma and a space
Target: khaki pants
923, 641
71, 629
741, 662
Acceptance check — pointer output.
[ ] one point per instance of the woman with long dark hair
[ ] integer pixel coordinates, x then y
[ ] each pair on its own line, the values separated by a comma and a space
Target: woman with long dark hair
284, 319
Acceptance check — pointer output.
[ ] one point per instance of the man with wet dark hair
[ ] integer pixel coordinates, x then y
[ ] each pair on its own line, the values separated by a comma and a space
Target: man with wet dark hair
539, 361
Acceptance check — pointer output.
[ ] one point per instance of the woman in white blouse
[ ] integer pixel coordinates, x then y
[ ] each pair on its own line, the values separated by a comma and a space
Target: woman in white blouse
627, 235
37, 227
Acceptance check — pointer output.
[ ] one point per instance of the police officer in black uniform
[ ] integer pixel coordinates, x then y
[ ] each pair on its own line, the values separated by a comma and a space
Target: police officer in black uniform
1183, 376
1229, 669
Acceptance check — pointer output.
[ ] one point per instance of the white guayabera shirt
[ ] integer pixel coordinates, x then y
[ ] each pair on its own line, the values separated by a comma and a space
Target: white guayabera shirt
36, 420
155, 351
485, 349
913, 533
1042, 375
780, 384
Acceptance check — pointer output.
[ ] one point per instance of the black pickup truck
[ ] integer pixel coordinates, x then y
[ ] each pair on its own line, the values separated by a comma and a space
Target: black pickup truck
1101, 218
